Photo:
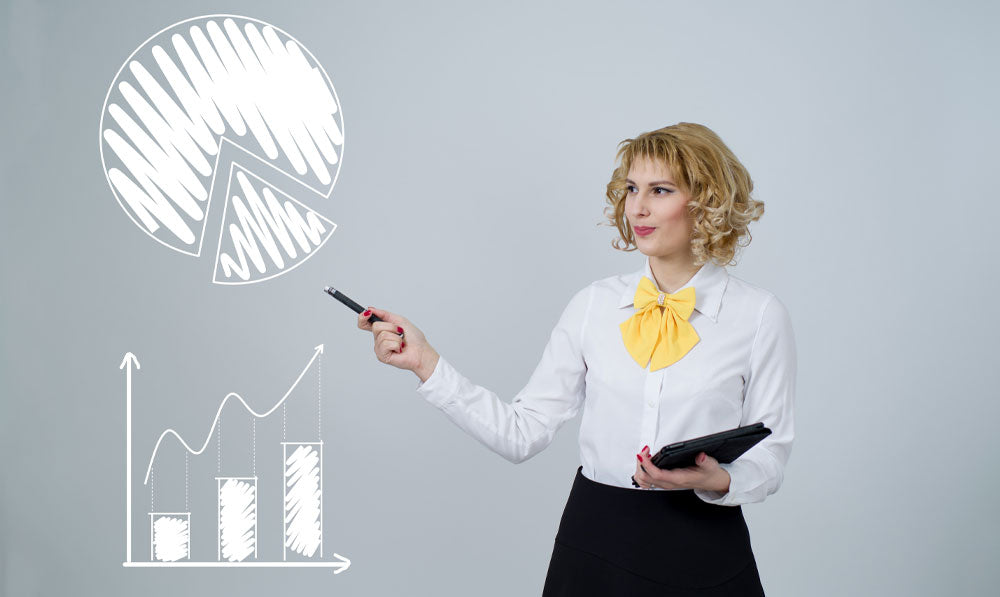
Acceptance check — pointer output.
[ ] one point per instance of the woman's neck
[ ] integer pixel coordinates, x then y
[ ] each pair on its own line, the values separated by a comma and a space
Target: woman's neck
673, 271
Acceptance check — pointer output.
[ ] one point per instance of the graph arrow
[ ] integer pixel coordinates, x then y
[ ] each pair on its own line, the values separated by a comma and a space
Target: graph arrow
338, 567
342, 565
129, 360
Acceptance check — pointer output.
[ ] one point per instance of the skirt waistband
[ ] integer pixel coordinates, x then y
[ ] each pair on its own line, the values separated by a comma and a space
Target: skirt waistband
670, 536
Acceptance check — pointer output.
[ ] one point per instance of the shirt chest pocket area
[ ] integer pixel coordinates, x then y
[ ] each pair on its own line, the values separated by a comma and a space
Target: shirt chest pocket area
715, 391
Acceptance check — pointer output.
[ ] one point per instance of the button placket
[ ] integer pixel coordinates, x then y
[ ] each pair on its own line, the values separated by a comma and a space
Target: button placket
651, 410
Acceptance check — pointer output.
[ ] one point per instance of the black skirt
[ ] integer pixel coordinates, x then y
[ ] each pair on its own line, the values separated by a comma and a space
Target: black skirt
618, 541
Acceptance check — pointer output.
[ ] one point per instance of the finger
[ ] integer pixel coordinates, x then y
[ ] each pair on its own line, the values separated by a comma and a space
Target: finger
706, 461
387, 353
644, 453
389, 343
647, 464
641, 477
395, 329
661, 477
643, 474
382, 334
382, 326
387, 316
363, 319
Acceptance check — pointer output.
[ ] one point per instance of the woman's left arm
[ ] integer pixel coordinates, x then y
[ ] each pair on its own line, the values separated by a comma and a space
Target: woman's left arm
769, 396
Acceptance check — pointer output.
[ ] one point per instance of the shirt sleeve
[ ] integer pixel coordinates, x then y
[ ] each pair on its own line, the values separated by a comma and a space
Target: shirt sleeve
769, 396
554, 393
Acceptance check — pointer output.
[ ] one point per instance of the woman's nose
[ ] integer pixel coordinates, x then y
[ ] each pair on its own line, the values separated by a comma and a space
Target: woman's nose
639, 208
639, 202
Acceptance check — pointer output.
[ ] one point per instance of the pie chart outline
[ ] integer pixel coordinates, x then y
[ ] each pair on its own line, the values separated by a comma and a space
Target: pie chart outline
227, 137
234, 165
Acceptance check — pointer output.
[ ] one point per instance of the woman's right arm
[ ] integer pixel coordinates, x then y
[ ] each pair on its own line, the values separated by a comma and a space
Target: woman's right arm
518, 430
427, 365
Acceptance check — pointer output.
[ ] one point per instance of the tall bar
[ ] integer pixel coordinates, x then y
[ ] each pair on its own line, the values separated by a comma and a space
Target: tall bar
302, 491
237, 538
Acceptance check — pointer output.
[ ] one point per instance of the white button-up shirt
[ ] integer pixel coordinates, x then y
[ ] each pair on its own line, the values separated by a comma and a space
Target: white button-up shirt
741, 371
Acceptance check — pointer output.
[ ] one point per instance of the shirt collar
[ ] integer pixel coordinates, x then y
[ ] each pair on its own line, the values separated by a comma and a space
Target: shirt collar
710, 284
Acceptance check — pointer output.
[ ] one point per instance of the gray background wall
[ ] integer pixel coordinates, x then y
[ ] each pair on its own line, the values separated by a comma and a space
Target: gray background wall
479, 138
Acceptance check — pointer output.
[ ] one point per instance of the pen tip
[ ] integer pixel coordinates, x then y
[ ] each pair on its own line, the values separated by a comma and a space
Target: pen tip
328, 289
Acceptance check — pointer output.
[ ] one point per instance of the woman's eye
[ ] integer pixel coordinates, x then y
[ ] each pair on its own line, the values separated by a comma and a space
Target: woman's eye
631, 189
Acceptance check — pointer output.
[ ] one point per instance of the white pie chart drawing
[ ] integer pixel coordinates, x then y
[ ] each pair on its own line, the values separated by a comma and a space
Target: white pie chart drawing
233, 109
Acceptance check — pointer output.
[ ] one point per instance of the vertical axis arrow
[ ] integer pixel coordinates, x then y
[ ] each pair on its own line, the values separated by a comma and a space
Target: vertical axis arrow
129, 360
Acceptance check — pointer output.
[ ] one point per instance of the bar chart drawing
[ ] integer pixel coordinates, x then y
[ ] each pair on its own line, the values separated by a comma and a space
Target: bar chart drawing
237, 537
237, 497
169, 536
303, 498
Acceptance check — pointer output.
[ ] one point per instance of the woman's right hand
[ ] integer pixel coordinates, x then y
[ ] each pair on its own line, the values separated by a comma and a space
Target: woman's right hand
411, 351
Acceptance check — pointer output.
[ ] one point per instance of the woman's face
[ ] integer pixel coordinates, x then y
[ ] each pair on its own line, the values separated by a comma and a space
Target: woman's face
653, 200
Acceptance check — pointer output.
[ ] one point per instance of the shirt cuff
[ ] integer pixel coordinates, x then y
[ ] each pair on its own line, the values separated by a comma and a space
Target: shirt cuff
717, 497
439, 388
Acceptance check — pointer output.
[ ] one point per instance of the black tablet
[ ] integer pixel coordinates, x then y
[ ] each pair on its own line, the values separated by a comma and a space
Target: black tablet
724, 446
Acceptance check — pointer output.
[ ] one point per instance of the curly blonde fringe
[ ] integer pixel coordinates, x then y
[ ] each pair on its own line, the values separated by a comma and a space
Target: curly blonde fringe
705, 168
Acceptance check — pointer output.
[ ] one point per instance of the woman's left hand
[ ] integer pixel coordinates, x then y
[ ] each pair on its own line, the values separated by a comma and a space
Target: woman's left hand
705, 474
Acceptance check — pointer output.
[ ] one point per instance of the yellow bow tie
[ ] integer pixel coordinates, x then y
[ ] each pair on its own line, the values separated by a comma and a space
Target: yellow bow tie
659, 331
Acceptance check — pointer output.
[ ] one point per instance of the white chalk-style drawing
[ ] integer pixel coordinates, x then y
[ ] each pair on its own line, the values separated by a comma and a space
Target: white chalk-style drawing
201, 96
237, 518
237, 524
303, 496
169, 536
256, 212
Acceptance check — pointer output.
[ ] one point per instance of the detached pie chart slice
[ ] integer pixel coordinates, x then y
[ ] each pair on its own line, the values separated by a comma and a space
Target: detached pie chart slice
225, 109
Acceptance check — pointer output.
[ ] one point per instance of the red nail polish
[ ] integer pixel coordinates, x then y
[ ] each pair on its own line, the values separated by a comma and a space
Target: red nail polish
639, 457
399, 329
367, 313
402, 346
644, 448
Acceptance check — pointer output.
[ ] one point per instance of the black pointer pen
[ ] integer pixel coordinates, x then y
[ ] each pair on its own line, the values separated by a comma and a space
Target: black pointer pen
340, 296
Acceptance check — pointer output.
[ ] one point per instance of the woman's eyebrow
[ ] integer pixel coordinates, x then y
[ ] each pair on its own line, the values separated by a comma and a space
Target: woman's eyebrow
652, 183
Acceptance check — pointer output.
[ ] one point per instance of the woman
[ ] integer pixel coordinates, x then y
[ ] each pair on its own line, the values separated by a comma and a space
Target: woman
676, 350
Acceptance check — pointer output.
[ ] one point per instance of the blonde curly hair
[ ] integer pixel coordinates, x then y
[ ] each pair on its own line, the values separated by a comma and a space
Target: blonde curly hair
705, 168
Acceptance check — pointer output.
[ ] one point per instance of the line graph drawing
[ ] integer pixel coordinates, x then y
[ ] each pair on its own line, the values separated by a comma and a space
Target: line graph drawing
237, 497
204, 95
218, 414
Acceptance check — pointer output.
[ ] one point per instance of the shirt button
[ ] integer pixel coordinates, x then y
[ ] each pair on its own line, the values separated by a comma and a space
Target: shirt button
651, 403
